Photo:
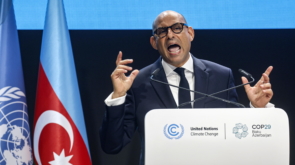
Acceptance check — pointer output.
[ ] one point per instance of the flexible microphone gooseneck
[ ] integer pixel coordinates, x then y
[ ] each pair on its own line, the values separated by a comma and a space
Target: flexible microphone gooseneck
205, 95
244, 73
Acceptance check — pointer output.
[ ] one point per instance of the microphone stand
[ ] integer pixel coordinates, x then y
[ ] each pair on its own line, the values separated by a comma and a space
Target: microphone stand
218, 93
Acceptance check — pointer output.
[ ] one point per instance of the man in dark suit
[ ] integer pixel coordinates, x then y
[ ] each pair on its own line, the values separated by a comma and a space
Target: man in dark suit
135, 95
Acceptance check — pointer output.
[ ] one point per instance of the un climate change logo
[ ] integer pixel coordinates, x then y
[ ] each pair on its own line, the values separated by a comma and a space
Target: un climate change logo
240, 130
173, 131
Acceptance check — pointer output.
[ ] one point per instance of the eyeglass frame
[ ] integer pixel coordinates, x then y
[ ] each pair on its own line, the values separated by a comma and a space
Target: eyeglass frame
183, 24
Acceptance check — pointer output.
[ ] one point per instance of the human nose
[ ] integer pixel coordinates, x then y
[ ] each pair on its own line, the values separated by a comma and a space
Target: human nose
170, 33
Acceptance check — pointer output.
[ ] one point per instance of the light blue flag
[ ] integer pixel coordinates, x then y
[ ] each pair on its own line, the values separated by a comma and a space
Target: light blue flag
58, 102
15, 143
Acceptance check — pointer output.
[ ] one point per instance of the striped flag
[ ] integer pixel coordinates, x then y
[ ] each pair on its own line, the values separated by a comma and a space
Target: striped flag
15, 143
59, 130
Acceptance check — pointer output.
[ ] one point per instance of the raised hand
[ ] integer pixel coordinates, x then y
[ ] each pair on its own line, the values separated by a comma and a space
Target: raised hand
121, 82
261, 93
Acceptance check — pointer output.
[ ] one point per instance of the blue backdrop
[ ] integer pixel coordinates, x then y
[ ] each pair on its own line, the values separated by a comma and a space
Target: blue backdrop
139, 14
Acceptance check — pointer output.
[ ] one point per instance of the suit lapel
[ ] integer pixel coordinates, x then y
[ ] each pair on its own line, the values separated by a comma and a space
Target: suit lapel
162, 90
201, 81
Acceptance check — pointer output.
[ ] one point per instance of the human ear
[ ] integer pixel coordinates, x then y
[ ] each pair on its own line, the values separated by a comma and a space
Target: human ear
153, 42
191, 32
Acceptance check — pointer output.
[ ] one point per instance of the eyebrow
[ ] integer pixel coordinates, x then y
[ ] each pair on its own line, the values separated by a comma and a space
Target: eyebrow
169, 26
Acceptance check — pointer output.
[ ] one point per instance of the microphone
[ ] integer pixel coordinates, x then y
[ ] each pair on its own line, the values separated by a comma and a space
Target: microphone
244, 73
205, 95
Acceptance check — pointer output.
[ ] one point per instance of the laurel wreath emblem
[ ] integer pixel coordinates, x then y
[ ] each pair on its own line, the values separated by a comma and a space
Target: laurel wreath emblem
8, 93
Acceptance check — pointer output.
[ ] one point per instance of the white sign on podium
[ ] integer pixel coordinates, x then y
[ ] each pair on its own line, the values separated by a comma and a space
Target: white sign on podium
231, 136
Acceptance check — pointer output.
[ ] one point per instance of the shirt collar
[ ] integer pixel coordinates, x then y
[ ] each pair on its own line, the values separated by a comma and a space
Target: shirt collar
189, 65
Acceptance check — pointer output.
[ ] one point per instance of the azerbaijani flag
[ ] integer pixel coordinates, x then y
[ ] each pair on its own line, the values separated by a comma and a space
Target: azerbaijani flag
15, 141
59, 130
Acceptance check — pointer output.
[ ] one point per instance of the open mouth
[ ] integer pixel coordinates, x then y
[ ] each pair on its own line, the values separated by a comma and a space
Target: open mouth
174, 48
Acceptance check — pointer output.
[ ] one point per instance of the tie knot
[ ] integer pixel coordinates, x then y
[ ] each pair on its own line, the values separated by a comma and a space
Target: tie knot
180, 71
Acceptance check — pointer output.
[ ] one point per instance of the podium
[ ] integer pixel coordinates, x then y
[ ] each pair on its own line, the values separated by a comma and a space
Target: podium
222, 136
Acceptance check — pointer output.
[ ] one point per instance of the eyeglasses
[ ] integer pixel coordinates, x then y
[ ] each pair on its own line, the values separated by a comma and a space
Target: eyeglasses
163, 31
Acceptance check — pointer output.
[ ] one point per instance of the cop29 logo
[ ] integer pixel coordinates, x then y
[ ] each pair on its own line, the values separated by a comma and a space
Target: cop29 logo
173, 131
240, 130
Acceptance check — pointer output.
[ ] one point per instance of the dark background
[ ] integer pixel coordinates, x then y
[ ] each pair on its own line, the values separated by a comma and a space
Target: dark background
95, 53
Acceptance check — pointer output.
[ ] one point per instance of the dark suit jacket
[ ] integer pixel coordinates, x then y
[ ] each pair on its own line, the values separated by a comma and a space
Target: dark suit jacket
120, 122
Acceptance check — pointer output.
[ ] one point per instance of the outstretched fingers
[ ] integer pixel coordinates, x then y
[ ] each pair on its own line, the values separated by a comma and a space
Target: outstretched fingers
265, 75
119, 60
261, 93
119, 57
133, 75
121, 66
268, 70
266, 89
245, 81
124, 67
121, 82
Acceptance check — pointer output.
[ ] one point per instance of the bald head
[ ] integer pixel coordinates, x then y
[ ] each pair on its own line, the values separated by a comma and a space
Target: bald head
168, 13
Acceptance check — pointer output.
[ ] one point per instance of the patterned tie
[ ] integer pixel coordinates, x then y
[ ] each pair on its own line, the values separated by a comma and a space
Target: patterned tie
183, 95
